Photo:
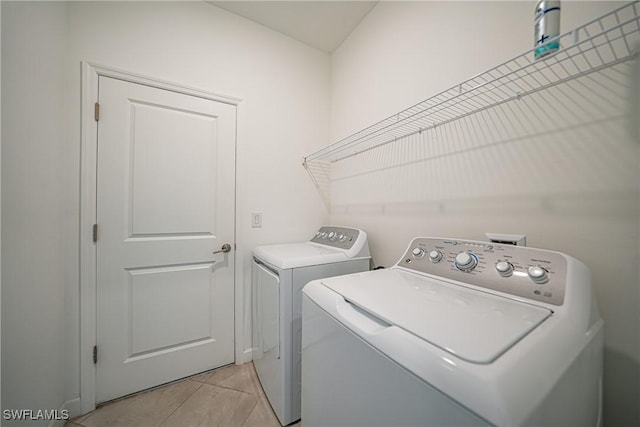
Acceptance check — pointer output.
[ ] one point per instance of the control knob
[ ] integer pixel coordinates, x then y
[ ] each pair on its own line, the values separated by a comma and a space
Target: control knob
333, 236
417, 252
538, 274
504, 268
466, 261
342, 237
435, 256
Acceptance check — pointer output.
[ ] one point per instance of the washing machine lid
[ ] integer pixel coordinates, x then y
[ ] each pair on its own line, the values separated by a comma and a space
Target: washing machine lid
294, 255
472, 325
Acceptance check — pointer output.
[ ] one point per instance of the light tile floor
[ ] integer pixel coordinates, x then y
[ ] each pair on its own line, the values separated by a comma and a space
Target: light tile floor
230, 396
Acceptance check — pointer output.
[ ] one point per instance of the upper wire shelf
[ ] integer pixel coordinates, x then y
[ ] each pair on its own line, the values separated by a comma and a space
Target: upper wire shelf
601, 43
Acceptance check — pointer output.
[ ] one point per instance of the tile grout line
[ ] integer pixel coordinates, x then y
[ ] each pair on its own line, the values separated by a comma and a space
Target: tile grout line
184, 400
253, 408
233, 389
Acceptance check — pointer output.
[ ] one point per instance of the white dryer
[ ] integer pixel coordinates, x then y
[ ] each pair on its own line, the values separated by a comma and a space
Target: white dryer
279, 272
457, 333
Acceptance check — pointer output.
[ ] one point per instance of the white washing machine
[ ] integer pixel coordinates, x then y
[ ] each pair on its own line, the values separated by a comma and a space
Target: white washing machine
279, 272
457, 333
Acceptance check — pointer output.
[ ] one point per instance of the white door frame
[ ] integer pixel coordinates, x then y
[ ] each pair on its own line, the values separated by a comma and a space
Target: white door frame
88, 214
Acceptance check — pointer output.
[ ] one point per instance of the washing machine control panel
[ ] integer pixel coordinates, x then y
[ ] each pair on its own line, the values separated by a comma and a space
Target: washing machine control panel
531, 273
337, 237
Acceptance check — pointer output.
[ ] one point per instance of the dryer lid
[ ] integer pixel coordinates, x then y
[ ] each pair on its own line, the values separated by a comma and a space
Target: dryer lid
295, 255
472, 325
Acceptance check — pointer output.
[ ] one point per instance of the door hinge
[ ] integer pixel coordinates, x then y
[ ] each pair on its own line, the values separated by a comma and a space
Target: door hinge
96, 111
95, 233
95, 354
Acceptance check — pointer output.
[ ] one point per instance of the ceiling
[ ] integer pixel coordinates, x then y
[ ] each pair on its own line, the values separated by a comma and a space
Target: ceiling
320, 24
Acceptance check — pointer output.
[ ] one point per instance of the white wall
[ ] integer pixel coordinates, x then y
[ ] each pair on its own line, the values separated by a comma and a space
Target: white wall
34, 148
285, 90
567, 177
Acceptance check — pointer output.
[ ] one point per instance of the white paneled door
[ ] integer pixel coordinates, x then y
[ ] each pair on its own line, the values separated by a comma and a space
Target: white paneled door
165, 203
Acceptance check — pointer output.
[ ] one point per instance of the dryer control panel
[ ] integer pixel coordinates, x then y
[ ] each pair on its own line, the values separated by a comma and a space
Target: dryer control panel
338, 237
531, 273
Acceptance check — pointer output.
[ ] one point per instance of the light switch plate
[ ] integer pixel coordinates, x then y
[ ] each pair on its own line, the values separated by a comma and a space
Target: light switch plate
256, 219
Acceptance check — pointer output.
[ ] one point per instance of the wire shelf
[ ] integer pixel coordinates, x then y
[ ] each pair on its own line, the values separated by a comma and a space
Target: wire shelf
604, 42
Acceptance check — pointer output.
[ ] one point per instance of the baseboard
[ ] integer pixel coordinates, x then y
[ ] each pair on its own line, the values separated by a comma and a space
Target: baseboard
247, 356
71, 407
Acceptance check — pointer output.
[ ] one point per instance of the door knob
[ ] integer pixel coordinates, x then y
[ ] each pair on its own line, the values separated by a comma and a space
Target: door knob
225, 248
